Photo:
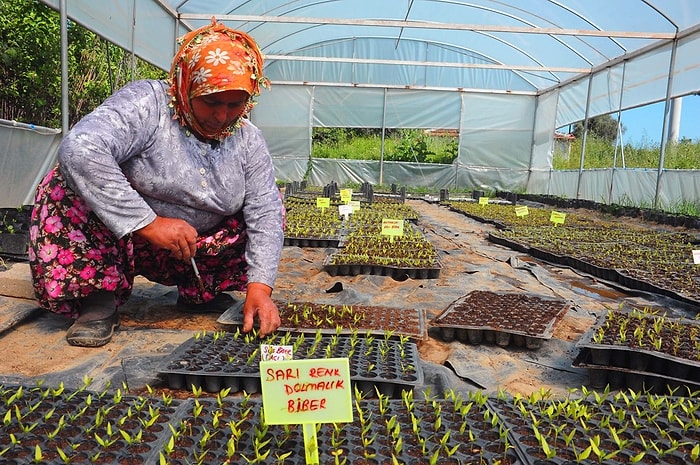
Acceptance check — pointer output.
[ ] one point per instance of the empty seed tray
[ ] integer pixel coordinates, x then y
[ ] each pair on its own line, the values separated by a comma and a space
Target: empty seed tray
524, 320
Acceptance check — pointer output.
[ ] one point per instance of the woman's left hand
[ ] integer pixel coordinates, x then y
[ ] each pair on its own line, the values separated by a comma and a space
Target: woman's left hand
258, 303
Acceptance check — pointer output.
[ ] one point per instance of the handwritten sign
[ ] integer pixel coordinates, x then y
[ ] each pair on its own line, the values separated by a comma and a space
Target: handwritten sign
696, 257
273, 352
483, 200
323, 203
557, 217
345, 210
345, 195
521, 210
355, 204
392, 228
306, 391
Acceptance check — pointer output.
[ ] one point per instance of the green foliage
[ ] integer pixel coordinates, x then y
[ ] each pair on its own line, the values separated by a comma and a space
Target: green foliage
399, 145
331, 137
601, 154
30, 66
412, 146
602, 127
27, 62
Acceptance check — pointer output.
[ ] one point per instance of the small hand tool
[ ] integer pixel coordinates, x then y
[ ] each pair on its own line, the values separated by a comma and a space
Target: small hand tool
196, 273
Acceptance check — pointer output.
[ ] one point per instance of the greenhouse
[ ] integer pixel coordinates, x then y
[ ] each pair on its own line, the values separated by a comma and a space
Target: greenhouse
505, 75
495, 310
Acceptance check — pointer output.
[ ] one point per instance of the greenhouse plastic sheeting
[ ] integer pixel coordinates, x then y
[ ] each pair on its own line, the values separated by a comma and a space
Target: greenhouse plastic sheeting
27, 152
631, 186
506, 74
634, 82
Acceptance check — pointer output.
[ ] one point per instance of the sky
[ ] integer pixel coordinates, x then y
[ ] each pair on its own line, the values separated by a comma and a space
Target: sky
643, 125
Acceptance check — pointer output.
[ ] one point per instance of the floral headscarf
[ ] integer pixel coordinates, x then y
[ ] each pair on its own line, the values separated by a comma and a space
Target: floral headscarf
214, 58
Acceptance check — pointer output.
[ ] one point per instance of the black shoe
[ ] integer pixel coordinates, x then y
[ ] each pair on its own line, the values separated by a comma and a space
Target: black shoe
218, 304
93, 333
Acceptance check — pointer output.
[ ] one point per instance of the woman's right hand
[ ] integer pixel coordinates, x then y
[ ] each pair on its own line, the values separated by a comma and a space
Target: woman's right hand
173, 234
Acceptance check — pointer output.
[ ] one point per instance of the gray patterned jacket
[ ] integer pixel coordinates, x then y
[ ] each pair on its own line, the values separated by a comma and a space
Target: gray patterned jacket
130, 161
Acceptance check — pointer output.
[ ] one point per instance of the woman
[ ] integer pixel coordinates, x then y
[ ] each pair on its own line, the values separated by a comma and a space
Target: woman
165, 179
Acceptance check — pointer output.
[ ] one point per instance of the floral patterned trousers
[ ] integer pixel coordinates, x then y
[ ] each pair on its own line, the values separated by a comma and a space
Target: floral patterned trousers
72, 254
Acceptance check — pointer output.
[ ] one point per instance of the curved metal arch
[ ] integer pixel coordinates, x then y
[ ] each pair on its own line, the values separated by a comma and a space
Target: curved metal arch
522, 52
662, 14
529, 23
522, 75
522, 20
587, 21
471, 52
555, 78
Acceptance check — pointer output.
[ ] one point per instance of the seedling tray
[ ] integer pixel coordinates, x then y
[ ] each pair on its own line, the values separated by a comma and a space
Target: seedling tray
504, 318
605, 416
646, 360
310, 317
312, 242
396, 272
600, 376
103, 429
231, 360
86, 427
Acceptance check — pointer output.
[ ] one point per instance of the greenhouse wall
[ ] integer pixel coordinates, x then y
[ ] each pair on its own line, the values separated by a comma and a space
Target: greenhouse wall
496, 133
27, 152
640, 79
505, 137
628, 186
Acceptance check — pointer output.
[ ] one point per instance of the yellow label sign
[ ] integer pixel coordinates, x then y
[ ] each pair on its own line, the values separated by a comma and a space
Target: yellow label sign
306, 391
392, 227
345, 195
483, 200
521, 210
557, 217
323, 202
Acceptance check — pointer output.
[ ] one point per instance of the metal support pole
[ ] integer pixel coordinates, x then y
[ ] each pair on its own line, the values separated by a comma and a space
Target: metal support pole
664, 129
65, 108
619, 134
381, 154
585, 135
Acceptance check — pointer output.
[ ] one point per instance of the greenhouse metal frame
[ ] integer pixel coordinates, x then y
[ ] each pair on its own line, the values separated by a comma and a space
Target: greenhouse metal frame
506, 74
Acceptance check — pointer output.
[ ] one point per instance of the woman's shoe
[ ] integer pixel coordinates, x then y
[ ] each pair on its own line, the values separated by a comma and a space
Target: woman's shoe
94, 333
218, 304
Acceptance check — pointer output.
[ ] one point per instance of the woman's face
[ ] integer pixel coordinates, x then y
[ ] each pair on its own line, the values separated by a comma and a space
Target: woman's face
217, 111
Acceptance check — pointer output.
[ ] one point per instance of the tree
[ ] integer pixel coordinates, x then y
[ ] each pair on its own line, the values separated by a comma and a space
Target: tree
30, 66
603, 127
29, 90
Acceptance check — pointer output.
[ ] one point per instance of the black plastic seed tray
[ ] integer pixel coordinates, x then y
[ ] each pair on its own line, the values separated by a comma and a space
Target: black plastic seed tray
55, 426
396, 272
612, 354
312, 242
567, 433
231, 360
616, 377
521, 319
457, 438
336, 319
